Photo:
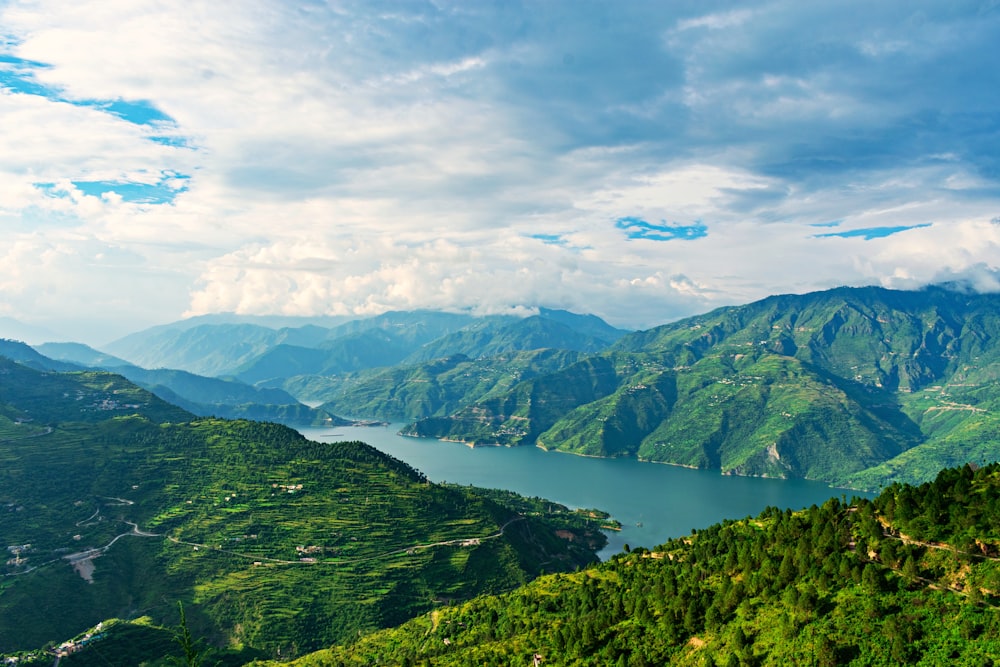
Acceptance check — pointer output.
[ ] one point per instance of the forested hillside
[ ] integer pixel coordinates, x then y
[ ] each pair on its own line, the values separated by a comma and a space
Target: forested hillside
116, 504
853, 386
199, 395
911, 578
438, 387
296, 357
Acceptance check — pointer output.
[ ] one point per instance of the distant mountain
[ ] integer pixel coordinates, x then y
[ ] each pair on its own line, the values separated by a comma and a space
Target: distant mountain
272, 357
351, 352
414, 327
266, 321
78, 353
114, 503
498, 336
27, 355
854, 386
205, 349
202, 396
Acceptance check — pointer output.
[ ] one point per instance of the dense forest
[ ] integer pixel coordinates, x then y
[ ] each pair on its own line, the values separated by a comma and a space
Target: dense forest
912, 577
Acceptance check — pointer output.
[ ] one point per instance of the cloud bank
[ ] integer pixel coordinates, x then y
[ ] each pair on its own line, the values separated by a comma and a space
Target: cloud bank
641, 161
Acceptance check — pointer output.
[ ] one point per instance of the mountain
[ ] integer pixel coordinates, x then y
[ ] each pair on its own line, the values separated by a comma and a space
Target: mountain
204, 349
492, 337
27, 355
413, 327
409, 339
433, 388
114, 503
78, 353
293, 358
41, 399
202, 396
352, 352
908, 579
383, 340
854, 386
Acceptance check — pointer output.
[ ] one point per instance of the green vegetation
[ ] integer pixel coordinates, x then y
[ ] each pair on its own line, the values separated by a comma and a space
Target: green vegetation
856, 387
298, 356
202, 396
439, 387
911, 578
116, 504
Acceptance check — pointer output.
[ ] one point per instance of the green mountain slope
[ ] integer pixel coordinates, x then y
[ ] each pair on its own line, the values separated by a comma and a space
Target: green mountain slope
352, 352
205, 349
199, 395
260, 355
116, 504
911, 578
854, 386
521, 414
27, 355
502, 336
437, 387
78, 353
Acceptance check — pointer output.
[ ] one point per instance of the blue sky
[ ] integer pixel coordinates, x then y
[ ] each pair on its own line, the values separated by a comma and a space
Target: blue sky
642, 160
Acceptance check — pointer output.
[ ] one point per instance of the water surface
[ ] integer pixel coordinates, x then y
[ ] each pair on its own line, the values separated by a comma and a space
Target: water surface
653, 501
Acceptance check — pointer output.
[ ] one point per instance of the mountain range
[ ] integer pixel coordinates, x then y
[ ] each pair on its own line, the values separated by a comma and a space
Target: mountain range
256, 353
202, 396
115, 504
853, 386
856, 387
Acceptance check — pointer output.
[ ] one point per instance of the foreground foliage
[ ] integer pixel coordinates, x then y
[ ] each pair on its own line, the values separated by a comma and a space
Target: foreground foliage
911, 578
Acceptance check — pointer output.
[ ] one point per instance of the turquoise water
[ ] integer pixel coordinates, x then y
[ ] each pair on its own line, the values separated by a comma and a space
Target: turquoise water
654, 502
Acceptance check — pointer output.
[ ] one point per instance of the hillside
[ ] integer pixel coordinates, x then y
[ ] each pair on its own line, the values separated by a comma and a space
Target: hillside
438, 387
116, 504
853, 386
199, 395
23, 353
308, 356
204, 349
911, 578
550, 329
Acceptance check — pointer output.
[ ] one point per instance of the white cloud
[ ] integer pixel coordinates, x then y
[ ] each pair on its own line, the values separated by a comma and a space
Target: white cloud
335, 159
716, 21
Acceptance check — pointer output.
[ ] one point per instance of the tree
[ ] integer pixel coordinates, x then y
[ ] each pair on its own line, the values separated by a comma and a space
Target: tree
192, 655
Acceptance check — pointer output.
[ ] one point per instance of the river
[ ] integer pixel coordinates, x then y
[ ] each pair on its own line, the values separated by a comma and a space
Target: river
653, 502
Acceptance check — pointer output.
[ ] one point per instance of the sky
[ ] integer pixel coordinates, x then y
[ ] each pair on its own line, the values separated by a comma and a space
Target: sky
639, 160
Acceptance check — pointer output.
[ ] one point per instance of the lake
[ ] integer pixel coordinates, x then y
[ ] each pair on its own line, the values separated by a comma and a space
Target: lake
653, 501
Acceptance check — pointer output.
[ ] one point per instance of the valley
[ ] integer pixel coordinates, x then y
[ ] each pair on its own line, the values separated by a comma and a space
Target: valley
855, 387
652, 502
387, 505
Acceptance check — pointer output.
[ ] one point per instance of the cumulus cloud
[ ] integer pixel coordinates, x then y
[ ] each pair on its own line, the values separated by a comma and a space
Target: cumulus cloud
318, 158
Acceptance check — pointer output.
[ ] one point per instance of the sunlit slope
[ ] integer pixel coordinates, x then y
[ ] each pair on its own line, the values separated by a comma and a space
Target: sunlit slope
910, 578
118, 505
826, 385
521, 414
199, 395
438, 387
